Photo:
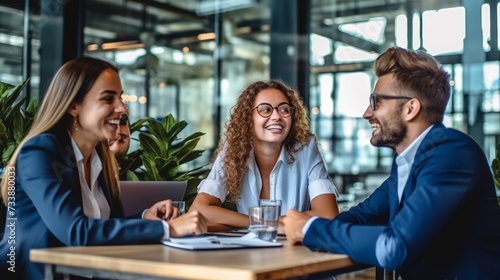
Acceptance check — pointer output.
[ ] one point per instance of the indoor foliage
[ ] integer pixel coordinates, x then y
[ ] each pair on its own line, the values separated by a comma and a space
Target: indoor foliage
15, 120
163, 155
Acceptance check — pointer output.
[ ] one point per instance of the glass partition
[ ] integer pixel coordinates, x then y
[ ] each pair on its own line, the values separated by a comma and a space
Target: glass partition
192, 58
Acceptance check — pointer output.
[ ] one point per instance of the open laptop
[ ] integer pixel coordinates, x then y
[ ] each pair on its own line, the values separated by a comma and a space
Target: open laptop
136, 196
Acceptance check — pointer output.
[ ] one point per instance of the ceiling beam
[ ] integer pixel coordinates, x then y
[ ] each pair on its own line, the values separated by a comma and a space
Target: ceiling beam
170, 8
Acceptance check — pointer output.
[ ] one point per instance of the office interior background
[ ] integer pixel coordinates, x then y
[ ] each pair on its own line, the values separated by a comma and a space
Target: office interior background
192, 58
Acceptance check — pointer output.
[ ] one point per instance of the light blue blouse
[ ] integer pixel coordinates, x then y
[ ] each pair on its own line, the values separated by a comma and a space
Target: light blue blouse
296, 184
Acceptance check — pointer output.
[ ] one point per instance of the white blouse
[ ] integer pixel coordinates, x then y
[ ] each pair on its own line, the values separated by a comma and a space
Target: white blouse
95, 204
296, 184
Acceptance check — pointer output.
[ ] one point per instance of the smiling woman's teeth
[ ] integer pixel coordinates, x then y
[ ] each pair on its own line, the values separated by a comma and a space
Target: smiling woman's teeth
278, 127
115, 122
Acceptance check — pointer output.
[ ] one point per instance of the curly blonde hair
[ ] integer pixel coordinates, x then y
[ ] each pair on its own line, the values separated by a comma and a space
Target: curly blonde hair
237, 142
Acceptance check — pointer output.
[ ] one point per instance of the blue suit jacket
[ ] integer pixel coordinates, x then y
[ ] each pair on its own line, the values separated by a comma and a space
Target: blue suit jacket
448, 221
48, 209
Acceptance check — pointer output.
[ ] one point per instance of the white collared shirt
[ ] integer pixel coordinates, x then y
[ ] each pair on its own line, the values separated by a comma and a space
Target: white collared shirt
405, 161
296, 184
95, 204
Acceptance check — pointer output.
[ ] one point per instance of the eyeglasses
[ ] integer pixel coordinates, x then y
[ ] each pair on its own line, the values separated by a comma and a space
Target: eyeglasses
265, 110
124, 119
373, 98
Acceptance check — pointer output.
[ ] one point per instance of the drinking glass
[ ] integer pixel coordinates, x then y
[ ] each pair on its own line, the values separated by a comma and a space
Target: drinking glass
181, 205
263, 222
271, 202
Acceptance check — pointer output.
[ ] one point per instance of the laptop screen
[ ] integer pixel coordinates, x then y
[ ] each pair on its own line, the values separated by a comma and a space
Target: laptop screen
137, 196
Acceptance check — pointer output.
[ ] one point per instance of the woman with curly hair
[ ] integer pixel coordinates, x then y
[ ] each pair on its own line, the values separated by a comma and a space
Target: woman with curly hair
268, 152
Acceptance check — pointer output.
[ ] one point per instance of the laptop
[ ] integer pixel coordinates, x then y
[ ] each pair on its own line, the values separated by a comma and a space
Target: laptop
136, 196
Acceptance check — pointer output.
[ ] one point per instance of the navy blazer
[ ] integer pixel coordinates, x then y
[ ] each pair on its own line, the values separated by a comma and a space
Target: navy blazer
448, 221
49, 212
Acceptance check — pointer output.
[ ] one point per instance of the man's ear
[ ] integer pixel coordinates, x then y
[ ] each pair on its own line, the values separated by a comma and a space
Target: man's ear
73, 110
412, 109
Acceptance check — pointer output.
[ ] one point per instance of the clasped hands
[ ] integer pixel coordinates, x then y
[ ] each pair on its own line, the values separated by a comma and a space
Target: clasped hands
191, 223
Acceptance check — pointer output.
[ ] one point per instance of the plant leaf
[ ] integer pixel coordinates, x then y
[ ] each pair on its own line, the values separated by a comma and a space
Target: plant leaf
8, 151
156, 128
187, 149
149, 144
150, 172
3, 133
168, 122
9, 97
192, 156
31, 110
131, 176
11, 113
174, 130
167, 167
138, 125
179, 144
20, 127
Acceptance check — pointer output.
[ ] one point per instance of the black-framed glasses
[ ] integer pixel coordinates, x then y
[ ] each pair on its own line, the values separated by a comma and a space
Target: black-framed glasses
124, 119
265, 110
374, 96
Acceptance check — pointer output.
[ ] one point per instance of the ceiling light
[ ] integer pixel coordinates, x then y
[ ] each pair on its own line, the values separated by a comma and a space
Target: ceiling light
113, 45
206, 36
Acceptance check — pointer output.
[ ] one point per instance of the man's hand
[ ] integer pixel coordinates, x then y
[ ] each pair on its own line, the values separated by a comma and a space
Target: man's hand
293, 224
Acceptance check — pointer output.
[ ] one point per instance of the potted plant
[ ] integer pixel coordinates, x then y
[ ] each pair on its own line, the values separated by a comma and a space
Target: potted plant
163, 155
15, 120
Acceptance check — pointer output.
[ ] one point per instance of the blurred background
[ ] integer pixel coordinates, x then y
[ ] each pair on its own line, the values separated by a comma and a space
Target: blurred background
192, 58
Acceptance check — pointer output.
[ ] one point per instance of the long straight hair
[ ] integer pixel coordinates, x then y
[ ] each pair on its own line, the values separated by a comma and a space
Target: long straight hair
70, 84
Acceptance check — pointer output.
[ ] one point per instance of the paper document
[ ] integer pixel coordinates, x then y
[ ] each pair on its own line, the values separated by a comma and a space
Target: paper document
246, 230
214, 242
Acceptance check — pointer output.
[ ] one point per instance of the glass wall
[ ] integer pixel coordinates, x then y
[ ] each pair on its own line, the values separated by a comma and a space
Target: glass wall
19, 47
342, 78
192, 58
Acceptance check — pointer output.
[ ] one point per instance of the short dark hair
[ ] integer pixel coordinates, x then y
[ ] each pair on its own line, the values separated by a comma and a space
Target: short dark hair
419, 75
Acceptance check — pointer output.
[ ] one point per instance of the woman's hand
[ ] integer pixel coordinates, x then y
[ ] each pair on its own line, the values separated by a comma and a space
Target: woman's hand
191, 223
162, 210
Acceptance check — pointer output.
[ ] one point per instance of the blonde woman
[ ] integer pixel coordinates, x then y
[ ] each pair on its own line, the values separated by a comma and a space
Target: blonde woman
268, 151
61, 182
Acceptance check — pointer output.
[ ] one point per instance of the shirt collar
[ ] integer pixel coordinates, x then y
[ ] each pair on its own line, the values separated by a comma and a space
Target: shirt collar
252, 165
408, 155
94, 159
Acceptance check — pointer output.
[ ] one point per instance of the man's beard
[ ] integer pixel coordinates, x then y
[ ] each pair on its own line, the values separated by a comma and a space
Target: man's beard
392, 132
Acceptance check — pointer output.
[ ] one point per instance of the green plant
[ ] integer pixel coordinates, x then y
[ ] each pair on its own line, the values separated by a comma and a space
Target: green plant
162, 155
495, 165
15, 120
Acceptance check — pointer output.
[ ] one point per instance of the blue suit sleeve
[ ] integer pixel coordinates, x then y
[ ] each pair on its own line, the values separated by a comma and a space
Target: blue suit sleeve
354, 232
446, 172
42, 173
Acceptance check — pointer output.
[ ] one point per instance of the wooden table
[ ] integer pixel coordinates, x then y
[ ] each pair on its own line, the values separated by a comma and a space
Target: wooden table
160, 262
